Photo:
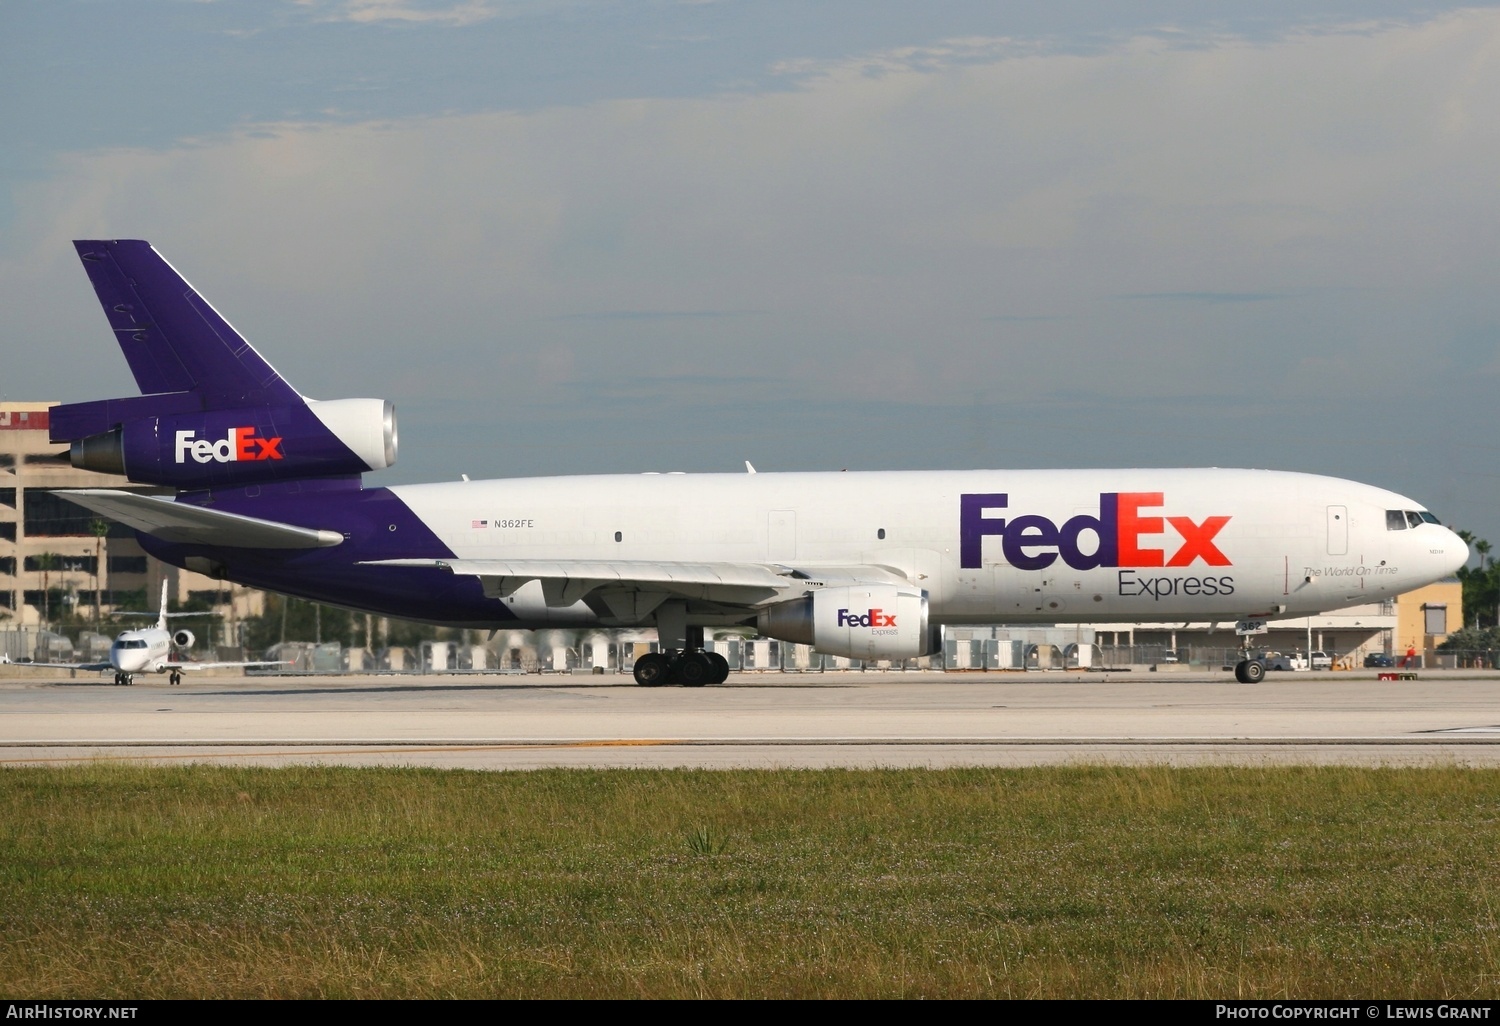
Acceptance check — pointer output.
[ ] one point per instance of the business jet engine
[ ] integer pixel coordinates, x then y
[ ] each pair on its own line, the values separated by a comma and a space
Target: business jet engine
183, 638
155, 443
874, 621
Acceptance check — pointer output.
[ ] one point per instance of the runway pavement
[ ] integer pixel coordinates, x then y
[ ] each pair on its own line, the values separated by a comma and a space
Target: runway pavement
758, 720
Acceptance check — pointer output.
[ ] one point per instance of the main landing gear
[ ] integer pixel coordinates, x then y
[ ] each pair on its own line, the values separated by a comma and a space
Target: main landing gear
691, 669
174, 679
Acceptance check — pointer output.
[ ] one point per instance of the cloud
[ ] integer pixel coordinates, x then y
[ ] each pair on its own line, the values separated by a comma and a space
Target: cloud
918, 223
456, 15
1211, 297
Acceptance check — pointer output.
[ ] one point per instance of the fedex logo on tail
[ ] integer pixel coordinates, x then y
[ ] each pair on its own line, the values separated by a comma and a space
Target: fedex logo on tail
242, 444
1121, 535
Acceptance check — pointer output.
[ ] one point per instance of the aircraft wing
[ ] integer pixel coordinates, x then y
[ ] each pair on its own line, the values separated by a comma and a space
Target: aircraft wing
565, 582
196, 525
229, 666
71, 666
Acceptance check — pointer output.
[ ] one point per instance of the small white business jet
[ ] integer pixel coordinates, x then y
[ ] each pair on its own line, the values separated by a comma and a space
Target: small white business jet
152, 650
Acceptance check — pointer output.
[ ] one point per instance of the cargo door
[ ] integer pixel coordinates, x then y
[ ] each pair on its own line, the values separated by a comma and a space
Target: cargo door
1338, 530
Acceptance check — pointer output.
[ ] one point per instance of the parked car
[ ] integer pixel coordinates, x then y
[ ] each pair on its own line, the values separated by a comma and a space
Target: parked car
1379, 659
1321, 660
1278, 661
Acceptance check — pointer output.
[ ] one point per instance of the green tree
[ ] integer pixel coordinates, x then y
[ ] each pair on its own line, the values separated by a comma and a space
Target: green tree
1481, 585
47, 562
1476, 645
306, 621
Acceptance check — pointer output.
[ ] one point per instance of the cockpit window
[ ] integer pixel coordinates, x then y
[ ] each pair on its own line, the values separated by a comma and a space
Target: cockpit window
1401, 519
132, 643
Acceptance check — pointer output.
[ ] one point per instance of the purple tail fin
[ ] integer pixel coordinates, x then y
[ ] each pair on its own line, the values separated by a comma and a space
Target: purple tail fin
172, 338
214, 413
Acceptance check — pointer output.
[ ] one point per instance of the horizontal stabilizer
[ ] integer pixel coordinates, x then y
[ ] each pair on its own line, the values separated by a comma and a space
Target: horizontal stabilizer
567, 581
195, 525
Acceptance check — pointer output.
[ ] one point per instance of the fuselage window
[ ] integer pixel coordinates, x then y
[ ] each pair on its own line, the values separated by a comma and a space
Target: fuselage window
1395, 520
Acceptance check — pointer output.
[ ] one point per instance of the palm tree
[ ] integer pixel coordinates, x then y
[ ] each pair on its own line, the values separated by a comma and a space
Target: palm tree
46, 562
100, 528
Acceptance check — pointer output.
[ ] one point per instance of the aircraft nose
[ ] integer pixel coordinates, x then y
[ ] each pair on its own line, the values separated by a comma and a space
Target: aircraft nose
1455, 552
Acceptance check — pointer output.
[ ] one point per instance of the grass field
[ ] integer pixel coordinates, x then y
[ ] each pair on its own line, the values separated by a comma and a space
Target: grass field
122, 881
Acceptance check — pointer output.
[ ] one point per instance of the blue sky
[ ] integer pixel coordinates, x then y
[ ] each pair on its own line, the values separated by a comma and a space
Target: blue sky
569, 237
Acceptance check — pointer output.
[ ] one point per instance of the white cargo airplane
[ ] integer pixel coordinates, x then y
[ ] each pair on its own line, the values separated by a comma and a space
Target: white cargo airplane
865, 565
150, 650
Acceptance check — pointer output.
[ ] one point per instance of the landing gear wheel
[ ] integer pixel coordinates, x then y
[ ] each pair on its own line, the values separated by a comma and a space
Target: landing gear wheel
721, 667
651, 670
119, 679
695, 669
1250, 671
175, 679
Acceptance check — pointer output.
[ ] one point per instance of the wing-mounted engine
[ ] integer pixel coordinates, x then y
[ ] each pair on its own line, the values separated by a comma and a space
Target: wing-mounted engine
183, 638
875, 621
153, 443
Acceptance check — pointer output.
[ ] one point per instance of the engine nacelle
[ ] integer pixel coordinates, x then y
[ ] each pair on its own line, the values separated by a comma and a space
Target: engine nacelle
252, 445
183, 638
879, 621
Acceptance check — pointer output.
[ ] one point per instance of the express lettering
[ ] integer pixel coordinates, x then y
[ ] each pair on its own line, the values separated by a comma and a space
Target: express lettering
1118, 536
1133, 585
240, 445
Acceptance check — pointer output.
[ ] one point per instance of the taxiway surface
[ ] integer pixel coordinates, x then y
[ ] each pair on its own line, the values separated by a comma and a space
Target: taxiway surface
759, 720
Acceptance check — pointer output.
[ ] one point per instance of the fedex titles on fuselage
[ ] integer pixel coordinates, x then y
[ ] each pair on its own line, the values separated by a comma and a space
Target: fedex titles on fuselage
1122, 538
240, 445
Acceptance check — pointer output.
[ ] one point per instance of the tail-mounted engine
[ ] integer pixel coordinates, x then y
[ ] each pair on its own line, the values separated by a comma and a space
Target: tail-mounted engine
227, 447
860, 621
183, 638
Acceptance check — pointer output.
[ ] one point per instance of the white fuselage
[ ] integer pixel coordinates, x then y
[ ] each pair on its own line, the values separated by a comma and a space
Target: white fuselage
987, 546
141, 651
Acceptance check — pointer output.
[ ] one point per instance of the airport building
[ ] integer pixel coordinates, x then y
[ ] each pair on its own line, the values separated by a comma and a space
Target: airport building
58, 561
1415, 622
